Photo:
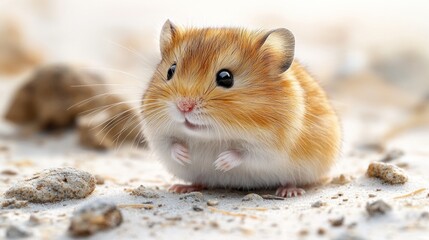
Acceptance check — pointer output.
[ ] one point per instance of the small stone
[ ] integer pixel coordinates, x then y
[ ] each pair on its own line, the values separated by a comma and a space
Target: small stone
9, 172
197, 208
13, 203
388, 173
321, 231
252, 197
93, 217
15, 232
318, 204
144, 192
341, 180
337, 222
194, 196
303, 232
99, 180
212, 203
378, 207
53, 185
371, 195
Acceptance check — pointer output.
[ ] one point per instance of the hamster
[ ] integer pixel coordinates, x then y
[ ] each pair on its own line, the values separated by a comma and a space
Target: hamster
231, 108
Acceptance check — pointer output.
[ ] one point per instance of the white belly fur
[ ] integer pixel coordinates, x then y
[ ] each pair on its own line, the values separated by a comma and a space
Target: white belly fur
261, 167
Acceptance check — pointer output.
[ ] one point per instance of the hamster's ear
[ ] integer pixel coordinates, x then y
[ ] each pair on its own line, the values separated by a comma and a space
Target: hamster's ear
167, 34
280, 44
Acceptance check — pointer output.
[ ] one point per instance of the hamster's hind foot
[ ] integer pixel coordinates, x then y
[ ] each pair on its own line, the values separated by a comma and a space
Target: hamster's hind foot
289, 191
180, 154
184, 188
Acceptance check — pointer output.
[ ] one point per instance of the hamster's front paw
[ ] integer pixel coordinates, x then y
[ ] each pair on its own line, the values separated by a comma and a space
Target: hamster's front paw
180, 154
228, 160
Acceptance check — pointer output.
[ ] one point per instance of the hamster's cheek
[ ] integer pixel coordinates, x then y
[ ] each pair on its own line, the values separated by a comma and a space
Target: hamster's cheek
174, 114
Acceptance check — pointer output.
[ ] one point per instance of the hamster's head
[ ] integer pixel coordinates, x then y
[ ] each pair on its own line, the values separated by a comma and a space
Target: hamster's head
220, 83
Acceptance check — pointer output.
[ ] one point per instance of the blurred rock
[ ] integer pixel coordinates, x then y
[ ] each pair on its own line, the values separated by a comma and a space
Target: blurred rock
57, 96
93, 217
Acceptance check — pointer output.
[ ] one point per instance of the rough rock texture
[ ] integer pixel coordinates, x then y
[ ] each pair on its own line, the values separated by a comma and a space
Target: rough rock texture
53, 185
388, 173
56, 96
13, 203
143, 192
93, 217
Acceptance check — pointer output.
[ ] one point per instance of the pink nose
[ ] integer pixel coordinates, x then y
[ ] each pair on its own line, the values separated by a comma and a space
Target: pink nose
186, 105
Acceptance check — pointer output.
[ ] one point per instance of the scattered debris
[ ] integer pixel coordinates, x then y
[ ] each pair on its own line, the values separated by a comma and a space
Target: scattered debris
411, 193
387, 173
378, 207
197, 208
142, 191
341, 180
93, 217
337, 222
272, 197
138, 206
53, 185
252, 197
212, 203
233, 214
8, 172
318, 204
99, 180
15, 232
13, 203
193, 196
371, 195
392, 155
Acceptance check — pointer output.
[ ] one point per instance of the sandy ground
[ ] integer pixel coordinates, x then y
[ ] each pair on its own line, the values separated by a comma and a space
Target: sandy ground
173, 216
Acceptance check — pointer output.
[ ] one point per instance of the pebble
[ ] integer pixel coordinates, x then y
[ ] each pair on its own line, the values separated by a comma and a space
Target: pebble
194, 196
144, 192
388, 173
53, 185
95, 216
337, 222
252, 197
197, 208
212, 203
378, 207
318, 204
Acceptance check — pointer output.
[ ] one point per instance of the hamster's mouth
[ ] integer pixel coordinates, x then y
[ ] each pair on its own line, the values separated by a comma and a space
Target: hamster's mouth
192, 126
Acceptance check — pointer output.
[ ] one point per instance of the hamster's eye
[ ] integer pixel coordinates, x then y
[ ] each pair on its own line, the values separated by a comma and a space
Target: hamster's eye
224, 78
171, 71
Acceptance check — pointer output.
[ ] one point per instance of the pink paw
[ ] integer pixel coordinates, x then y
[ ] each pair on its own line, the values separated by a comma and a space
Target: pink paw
180, 154
183, 188
289, 191
228, 160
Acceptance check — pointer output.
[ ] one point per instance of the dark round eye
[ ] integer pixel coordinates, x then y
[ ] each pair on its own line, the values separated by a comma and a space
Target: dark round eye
171, 71
224, 79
